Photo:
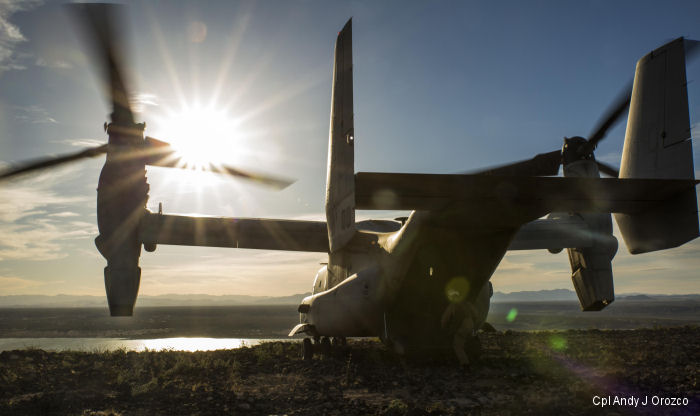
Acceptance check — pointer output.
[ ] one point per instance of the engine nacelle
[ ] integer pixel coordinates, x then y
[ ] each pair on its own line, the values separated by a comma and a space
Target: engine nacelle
591, 267
122, 193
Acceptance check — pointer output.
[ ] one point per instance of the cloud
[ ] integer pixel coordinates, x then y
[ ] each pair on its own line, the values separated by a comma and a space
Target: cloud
57, 63
10, 34
18, 202
65, 214
27, 230
139, 102
33, 114
13, 284
35, 243
185, 270
41, 239
83, 142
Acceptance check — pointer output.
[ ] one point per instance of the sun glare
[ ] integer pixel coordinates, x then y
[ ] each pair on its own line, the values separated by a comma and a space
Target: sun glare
202, 136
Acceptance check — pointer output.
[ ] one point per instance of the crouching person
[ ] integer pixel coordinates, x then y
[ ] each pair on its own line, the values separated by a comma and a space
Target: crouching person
459, 318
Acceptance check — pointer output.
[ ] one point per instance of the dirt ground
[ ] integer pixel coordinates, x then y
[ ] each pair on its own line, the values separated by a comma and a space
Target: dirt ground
567, 372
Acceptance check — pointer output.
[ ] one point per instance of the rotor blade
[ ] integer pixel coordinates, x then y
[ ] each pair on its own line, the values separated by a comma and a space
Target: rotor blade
102, 26
263, 179
161, 154
607, 169
544, 164
48, 162
616, 110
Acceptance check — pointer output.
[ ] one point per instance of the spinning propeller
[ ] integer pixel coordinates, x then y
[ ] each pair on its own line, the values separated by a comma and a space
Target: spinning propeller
102, 30
575, 148
579, 148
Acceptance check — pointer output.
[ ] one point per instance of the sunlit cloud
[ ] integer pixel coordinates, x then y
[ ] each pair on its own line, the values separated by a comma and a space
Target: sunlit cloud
222, 271
36, 244
40, 238
58, 63
10, 34
140, 101
27, 229
83, 142
14, 284
34, 114
17, 202
64, 214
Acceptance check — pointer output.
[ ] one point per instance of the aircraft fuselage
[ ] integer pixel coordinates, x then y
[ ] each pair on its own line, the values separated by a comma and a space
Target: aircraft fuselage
396, 284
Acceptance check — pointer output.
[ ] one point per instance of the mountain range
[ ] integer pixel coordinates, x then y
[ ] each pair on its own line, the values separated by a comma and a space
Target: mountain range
83, 301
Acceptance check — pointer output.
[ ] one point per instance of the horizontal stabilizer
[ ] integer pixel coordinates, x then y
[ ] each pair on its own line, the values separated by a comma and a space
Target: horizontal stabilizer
254, 233
503, 195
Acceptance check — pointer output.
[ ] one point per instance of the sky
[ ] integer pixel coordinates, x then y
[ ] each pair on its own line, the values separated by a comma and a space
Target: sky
439, 87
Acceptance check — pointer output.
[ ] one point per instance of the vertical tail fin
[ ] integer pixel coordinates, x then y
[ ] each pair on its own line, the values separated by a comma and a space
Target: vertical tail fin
340, 183
657, 145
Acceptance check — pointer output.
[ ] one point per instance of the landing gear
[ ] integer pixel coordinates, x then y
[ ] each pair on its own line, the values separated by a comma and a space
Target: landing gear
307, 349
339, 341
473, 348
323, 345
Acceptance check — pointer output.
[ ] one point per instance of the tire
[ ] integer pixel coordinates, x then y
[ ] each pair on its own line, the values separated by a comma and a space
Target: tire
473, 348
325, 346
307, 349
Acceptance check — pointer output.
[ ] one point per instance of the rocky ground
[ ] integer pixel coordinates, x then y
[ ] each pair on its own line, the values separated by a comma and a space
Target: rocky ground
519, 373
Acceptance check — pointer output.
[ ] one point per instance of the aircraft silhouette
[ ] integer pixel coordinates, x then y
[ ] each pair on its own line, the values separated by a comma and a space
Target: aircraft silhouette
394, 279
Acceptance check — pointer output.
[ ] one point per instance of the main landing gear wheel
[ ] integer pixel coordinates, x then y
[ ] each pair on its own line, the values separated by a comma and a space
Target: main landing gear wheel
307, 349
473, 348
322, 345
325, 346
339, 342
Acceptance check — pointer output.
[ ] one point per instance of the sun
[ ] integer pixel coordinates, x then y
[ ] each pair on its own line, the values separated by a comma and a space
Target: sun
202, 136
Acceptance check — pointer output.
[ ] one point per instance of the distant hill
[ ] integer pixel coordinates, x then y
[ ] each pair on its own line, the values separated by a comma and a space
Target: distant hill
73, 301
535, 296
569, 295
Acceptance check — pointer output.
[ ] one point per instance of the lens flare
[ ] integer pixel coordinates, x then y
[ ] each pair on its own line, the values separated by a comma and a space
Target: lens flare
557, 342
201, 136
457, 289
512, 314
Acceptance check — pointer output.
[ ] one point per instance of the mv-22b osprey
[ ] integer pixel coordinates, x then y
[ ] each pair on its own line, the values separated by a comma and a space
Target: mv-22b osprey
394, 279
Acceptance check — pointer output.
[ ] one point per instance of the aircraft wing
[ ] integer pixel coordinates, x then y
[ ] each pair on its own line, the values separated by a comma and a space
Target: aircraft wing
511, 200
554, 234
254, 233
